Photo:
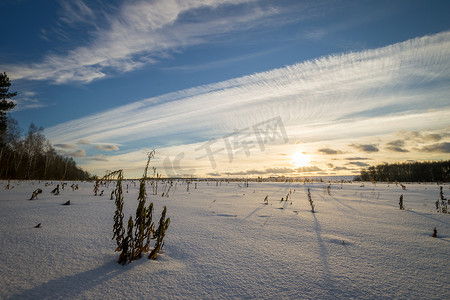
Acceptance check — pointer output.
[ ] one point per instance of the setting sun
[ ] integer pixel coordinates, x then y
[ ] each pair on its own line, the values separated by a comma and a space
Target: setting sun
301, 159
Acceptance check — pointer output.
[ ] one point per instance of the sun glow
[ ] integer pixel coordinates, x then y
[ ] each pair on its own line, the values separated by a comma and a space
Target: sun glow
301, 159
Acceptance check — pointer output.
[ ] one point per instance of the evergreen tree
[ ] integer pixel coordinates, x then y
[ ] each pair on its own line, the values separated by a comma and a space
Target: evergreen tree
5, 104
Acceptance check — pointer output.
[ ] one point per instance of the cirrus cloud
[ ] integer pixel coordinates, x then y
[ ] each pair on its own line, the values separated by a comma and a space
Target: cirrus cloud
138, 34
107, 147
329, 151
349, 83
366, 147
438, 147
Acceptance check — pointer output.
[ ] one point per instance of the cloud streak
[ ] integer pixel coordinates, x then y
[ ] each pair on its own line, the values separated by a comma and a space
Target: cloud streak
107, 147
27, 100
366, 148
76, 11
81, 153
321, 100
439, 148
359, 164
322, 90
65, 146
329, 151
139, 34
397, 146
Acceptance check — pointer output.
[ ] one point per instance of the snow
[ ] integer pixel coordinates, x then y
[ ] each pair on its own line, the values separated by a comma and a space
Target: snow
224, 242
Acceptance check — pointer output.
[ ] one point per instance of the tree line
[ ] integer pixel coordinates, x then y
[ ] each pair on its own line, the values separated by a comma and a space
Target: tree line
30, 156
437, 171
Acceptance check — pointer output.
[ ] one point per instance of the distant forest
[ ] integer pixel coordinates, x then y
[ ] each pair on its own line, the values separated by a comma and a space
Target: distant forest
408, 172
33, 157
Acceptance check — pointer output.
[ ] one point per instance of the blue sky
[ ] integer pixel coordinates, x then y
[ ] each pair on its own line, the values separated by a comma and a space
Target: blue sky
346, 84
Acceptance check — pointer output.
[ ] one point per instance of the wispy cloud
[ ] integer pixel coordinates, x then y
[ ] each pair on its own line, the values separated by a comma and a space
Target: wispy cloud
138, 34
359, 164
80, 153
76, 11
308, 169
425, 137
107, 147
268, 171
397, 146
302, 94
27, 100
279, 171
439, 148
357, 158
98, 157
366, 148
217, 63
83, 142
340, 169
329, 151
65, 146
316, 34
318, 101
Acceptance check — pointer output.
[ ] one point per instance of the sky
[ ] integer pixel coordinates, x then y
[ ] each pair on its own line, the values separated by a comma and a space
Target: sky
237, 88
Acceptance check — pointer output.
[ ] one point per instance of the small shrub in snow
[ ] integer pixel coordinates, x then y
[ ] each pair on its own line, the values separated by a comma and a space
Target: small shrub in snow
441, 204
127, 245
35, 194
441, 193
118, 228
311, 202
160, 233
149, 226
96, 186
130, 239
56, 190
123, 257
400, 202
141, 231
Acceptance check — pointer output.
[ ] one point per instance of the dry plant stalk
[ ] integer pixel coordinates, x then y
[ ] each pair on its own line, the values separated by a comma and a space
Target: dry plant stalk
311, 202
141, 231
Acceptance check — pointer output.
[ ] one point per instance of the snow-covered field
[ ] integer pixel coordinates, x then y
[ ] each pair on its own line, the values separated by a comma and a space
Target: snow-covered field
224, 242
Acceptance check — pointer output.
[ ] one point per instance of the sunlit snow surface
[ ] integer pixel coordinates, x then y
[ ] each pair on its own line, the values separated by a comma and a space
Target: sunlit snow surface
224, 242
